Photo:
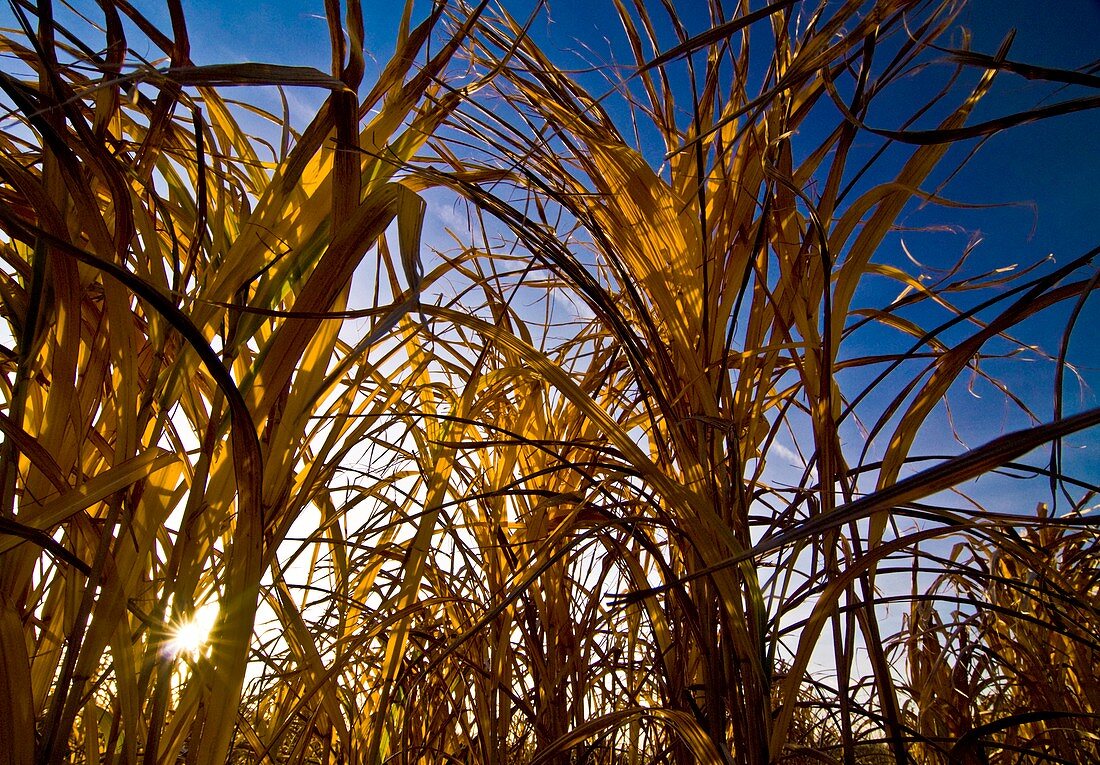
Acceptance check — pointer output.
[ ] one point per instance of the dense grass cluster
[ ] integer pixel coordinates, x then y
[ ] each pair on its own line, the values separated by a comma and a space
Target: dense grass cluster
647, 466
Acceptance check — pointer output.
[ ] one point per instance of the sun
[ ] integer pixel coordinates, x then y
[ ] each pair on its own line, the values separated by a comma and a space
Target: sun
191, 636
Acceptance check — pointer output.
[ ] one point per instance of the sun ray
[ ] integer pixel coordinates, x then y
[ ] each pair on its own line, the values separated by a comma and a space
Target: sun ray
191, 636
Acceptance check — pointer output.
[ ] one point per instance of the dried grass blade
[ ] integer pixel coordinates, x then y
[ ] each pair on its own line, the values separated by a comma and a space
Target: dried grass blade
225, 75
716, 33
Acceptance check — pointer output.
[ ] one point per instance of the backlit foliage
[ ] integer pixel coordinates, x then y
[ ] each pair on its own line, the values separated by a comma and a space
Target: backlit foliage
643, 466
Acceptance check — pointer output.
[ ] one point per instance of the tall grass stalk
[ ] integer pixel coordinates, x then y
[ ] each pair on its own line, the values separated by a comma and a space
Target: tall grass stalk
646, 469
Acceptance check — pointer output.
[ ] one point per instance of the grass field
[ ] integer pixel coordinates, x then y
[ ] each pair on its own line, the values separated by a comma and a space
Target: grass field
673, 447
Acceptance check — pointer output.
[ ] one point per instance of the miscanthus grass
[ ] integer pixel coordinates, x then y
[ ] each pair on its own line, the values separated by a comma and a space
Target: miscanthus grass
646, 467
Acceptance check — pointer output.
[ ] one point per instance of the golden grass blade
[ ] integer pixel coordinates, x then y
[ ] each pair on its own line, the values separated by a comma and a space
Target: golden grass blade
684, 725
93, 491
330, 278
16, 704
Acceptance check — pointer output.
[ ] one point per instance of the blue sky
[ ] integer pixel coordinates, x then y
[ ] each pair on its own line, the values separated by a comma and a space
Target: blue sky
1052, 165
